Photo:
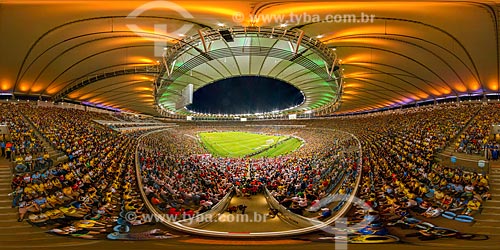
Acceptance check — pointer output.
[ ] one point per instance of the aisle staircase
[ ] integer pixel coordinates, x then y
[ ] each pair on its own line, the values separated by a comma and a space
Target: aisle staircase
56, 155
450, 149
257, 209
490, 216
14, 234
9, 227
489, 219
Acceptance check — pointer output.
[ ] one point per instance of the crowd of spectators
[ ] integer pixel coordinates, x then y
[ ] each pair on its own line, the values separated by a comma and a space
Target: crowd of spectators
96, 183
179, 174
180, 177
174, 177
477, 138
65, 129
399, 154
402, 174
23, 147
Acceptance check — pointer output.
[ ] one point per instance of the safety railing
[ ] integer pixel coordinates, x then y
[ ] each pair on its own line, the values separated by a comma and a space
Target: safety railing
480, 166
208, 217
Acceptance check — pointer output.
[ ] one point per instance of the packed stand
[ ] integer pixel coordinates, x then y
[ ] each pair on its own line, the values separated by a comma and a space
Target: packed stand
478, 138
180, 175
86, 196
23, 147
401, 172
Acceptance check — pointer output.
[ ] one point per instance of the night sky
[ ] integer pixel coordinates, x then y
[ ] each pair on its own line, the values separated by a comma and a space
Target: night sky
245, 94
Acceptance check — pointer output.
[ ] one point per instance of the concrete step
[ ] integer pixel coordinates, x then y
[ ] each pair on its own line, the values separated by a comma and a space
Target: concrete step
12, 221
491, 210
23, 233
5, 202
489, 213
484, 216
54, 242
37, 237
487, 224
487, 231
6, 226
7, 209
486, 220
8, 215
41, 237
491, 204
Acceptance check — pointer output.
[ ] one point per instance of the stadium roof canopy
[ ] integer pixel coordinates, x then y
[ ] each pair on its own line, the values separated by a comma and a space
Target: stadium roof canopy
107, 52
283, 54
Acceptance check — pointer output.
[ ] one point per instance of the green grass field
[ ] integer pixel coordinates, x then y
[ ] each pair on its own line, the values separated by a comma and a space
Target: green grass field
282, 149
238, 144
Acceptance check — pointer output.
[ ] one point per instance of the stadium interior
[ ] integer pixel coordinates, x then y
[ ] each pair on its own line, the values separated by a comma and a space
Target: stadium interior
249, 124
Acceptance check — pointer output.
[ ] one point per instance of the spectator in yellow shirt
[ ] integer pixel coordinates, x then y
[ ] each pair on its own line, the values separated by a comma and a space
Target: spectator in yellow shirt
472, 206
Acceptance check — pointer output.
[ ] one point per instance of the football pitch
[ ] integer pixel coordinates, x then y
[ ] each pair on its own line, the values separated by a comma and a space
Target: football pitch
240, 144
